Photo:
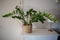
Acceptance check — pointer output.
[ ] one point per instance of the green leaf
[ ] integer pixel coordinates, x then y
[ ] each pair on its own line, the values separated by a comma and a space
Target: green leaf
50, 17
18, 17
7, 15
31, 15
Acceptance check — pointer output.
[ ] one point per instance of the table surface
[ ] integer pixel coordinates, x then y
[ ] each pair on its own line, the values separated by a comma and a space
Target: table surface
40, 32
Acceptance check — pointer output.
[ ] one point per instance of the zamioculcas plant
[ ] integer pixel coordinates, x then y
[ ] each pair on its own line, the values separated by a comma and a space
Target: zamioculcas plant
29, 17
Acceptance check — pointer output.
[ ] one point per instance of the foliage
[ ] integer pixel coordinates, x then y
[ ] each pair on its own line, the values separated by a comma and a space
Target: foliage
30, 16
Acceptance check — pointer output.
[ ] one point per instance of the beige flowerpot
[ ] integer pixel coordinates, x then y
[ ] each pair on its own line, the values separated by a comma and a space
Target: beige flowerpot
27, 28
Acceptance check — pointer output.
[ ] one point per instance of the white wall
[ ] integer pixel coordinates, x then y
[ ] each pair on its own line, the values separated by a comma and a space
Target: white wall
11, 27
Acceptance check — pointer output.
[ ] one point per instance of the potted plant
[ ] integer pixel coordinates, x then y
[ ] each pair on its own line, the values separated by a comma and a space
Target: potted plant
29, 17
